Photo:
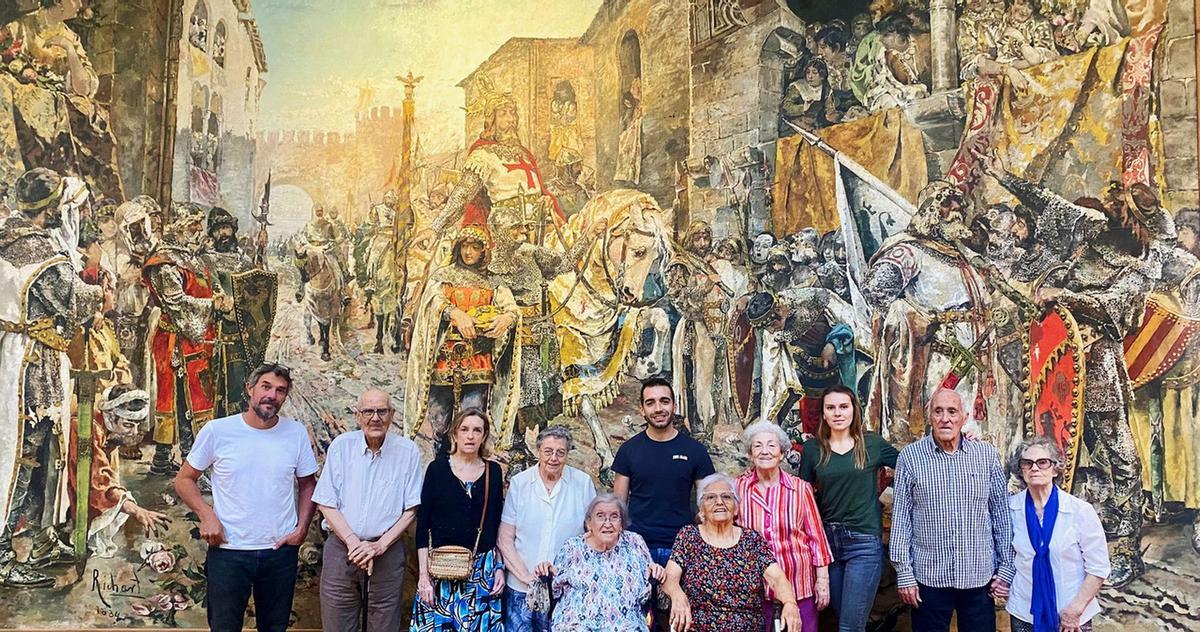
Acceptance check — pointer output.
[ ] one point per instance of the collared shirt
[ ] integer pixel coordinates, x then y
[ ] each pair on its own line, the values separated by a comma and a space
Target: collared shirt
545, 520
371, 489
1077, 549
950, 522
786, 516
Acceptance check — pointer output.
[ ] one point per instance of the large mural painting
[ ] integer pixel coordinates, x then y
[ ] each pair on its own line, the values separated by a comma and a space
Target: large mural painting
754, 198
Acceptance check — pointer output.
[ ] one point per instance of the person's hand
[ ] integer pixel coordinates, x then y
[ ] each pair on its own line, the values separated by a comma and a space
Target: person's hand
211, 530
1047, 296
463, 322
791, 617
999, 588
598, 228
108, 298
500, 326
971, 432
545, 569
295, 538
425, 589
364, 553
828, 355
821, 588
223, 303
1068, 619
657, 573
681, 615
152, 521
423, 239
497, 583
910, 595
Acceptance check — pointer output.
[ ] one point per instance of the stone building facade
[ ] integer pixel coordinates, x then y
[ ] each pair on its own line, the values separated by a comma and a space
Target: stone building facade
221, 73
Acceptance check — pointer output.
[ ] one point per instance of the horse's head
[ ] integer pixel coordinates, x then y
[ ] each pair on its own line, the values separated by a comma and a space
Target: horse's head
637, 238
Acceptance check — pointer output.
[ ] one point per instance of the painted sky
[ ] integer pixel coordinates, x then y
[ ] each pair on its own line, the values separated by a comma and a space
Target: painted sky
323, 53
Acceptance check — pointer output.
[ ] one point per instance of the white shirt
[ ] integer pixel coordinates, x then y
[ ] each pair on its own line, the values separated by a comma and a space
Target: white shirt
544, 520
371, 489
1077, 548
254, 476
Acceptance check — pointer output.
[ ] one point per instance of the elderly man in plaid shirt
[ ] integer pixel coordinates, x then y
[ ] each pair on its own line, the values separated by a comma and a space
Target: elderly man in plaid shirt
951, 539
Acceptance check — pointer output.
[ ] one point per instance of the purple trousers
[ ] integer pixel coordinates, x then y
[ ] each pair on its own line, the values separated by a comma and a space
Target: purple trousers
807, 608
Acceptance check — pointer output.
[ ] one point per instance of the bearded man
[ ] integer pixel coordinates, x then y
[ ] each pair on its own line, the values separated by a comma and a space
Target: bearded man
463, 354
182, 344
222, 261
499, 171
44, 303
931, 325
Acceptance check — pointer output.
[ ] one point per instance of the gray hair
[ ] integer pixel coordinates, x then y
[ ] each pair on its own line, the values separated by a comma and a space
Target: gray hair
761, 427
709, 480
606, 499
1038, 441
555, 432
962, 405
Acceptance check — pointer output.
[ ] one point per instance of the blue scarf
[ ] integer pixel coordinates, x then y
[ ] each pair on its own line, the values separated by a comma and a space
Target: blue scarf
1044, 605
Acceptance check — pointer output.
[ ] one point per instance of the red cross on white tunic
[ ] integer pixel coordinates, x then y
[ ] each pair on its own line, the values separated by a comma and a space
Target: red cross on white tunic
530, 170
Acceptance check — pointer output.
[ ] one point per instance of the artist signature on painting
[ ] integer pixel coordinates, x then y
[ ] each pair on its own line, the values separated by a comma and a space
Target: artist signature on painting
106, 583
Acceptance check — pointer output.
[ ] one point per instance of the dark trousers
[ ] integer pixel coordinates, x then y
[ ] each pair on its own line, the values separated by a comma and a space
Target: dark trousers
343, 586
976, 611
268, 574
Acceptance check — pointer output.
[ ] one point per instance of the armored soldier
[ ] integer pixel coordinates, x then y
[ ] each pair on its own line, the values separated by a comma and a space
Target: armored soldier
527, 270
222, 261
182, 344
45, 302
1104, 283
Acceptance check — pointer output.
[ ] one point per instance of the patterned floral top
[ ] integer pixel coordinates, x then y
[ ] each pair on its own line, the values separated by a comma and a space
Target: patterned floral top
724, 587
601, 591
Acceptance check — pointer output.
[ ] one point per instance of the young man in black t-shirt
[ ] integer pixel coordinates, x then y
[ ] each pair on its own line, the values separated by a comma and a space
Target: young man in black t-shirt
656, 470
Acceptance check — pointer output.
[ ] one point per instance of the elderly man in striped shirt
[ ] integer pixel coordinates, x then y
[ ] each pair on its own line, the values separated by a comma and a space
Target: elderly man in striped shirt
951, 539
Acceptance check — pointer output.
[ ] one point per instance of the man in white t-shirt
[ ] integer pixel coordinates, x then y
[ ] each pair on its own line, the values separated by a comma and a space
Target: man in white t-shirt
257, 521
368, 493
544, 508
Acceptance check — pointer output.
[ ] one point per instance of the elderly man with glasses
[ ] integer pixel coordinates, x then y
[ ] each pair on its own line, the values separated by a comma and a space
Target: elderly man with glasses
368, 495
545, 507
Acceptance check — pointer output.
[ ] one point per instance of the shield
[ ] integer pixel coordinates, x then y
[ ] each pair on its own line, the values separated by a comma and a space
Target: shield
1160, 342
254, 293
1054, 401
743, 345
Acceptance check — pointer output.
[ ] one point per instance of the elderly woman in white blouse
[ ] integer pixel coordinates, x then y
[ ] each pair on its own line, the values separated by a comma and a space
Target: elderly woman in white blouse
1060, 551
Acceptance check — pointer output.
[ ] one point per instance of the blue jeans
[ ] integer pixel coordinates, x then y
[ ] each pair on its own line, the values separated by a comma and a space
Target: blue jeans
662, 618
268, 574
519, 618
853, 575
975, 608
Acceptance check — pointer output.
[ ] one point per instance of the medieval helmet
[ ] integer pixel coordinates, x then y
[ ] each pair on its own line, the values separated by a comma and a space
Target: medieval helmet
38, 189
219, 218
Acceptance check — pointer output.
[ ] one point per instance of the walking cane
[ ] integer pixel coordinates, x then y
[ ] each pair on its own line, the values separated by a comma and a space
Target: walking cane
366, 593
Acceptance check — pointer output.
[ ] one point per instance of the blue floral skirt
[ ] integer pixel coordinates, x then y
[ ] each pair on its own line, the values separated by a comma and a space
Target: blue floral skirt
463, 605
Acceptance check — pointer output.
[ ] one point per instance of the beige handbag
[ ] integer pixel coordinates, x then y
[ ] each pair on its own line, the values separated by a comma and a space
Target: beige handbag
455, 562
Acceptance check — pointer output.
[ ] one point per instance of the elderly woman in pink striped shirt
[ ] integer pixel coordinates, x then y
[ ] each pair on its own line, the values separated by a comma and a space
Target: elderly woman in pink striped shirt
782, 508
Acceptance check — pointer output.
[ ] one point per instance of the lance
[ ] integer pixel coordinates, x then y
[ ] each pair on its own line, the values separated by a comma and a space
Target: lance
87, 380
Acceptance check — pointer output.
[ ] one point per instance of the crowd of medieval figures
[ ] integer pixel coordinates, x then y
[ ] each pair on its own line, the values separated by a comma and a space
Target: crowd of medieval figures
839, 71
133, 310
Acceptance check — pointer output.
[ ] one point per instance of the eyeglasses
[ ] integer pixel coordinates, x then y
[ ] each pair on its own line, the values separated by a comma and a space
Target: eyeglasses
1042, 464
381, 413
610, 518
726, 497
549, 452
272, 367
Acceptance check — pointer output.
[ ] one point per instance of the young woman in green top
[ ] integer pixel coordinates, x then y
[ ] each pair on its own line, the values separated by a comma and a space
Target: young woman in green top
843, 462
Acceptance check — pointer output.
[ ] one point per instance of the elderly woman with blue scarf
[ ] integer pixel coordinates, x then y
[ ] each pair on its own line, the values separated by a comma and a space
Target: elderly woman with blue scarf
1060, 552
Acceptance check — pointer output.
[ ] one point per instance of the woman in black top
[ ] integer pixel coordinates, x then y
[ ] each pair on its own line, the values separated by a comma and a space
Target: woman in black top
461, 500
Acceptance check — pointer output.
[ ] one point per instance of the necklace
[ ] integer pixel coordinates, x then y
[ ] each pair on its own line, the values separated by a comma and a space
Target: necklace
467, 486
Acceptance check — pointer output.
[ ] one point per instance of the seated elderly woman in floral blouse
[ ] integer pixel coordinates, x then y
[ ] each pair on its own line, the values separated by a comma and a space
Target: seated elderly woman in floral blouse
602, 578
715, 576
